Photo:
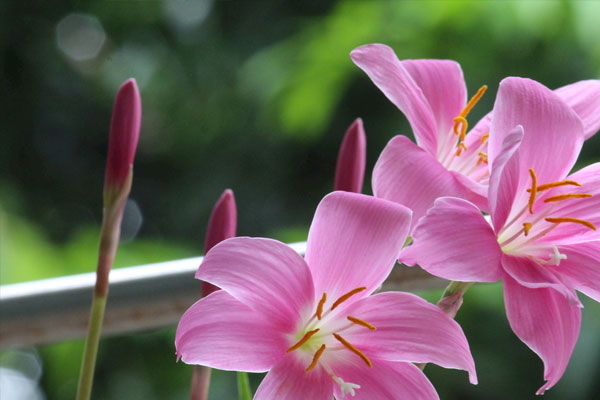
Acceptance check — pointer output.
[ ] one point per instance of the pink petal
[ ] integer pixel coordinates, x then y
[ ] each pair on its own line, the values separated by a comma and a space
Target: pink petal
553, 132
288, 380
353, 242
587, 209
350, 169
504, 179
474, 192
584, 98
386, 380
407, 174
380, 63
409, 329
545, 321
528, 273
264, 274
220, 332
582, 267
222, 225
454, 241
443, 86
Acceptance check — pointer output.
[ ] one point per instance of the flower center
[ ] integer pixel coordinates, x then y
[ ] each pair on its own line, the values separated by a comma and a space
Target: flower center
322, 332
540, 223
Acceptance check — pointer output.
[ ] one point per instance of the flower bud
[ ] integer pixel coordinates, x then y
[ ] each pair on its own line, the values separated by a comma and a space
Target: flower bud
350, 168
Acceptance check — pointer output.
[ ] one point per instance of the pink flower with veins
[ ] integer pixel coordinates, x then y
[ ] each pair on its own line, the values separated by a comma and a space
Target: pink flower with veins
452, 160
543, 240
312, 322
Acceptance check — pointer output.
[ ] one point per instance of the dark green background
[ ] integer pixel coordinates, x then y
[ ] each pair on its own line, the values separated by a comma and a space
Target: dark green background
255, 97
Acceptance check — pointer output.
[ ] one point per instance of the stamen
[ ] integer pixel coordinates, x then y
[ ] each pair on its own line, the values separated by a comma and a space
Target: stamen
533, 190
461, 146
460, 121
353, 349
320, 306
362, 323
346, 296
562, 197
547, 186
316, 357
304, 339
483, 157
574, 220
484, 138
527, 227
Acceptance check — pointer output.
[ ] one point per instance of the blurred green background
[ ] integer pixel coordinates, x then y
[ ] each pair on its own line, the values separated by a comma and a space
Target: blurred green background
253, 96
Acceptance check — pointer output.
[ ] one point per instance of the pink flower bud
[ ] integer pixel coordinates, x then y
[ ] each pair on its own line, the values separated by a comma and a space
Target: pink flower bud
124, 134
350, 169
222, 225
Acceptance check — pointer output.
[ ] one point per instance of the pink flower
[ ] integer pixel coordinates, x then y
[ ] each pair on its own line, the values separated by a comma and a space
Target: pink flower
312, 322
543, 240
124, 134
452, 161
350, 167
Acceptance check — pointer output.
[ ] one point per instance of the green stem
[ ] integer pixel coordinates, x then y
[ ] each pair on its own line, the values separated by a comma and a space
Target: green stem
244, 391
456, 287
86, 378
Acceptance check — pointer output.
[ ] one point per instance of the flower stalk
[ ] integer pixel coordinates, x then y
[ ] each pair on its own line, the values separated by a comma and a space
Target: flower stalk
123, 138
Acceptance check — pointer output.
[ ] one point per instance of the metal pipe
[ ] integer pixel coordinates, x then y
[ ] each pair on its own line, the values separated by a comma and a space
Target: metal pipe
141, 298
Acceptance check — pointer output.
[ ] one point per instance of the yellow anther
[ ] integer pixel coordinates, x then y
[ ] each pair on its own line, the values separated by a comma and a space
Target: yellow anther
527, 227
533, 190
547, 186
316, 357
484, 138
483, 157
361, 322
562, 197
304, 339
461, 125
346, 296
574, 220
319, 312
353, 349
461, 146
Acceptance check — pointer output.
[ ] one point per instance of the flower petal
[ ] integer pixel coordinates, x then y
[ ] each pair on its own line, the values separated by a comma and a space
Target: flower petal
386, 380
545, 321
266, 275
409, 329
407, 174
380, 63
582, 267
350, 167
220, 332
528, 273
584, 98
353, 242
553, 131
288, 380
504, 179
587, 209
454, 241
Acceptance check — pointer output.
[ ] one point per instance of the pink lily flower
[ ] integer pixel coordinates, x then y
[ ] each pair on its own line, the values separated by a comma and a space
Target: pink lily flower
311, 322
542, 241
452, 160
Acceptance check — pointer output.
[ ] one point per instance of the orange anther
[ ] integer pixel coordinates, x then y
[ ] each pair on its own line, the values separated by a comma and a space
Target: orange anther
319, 312
562, 197
574, 220
353, 349
547, 186
533, 190
484, 138
304, 339
316, 357
346, 296
461, 146
461, 125
483, 157
527, 227
361, 322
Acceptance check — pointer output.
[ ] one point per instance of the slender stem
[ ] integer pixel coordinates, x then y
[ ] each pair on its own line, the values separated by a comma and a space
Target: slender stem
200, 383
86, 378
244, 391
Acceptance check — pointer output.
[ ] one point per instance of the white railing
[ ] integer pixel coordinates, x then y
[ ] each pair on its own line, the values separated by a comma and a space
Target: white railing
141, 298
